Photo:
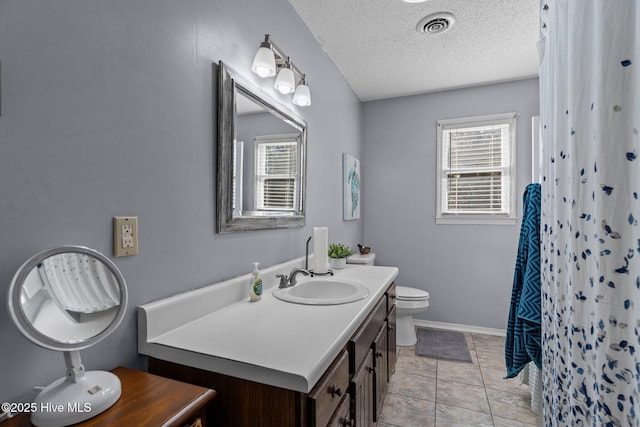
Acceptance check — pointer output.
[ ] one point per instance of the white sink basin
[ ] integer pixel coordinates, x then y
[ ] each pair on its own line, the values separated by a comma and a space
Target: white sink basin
323, 292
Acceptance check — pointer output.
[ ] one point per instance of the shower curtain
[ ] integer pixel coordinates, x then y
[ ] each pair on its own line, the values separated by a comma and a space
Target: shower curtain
590, 253
80, 283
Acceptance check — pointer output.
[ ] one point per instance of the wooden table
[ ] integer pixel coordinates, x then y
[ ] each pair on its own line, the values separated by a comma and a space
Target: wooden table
147, 400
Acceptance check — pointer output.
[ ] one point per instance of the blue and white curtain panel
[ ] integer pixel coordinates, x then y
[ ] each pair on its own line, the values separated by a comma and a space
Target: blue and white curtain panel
590, 212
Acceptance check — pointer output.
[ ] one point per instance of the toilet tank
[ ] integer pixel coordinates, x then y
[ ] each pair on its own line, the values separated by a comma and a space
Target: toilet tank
362, 259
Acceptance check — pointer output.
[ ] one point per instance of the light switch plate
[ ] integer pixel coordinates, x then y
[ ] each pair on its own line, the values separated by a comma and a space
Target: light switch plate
125, 235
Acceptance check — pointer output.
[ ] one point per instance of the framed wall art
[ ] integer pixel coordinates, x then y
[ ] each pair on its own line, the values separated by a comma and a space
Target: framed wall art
350, 187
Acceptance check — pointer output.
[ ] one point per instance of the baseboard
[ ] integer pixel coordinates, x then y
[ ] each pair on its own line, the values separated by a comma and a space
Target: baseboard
461, 328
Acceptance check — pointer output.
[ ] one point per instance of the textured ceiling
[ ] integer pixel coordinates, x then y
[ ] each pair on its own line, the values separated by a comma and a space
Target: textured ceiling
376, 46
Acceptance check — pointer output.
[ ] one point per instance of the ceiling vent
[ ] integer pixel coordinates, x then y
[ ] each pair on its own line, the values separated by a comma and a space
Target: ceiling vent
436, 23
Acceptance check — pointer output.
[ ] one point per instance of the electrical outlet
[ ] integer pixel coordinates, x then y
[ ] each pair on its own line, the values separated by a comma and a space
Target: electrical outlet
127, 242
125, 235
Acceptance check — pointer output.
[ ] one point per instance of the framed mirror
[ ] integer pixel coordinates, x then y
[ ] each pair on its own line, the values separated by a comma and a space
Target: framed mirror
68, 299
261, 160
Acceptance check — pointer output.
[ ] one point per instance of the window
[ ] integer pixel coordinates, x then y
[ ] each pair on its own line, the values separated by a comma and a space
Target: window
277, 174
238, 157
476, 170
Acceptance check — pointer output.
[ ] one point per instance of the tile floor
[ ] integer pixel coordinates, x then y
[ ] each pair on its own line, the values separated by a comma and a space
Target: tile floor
427, 392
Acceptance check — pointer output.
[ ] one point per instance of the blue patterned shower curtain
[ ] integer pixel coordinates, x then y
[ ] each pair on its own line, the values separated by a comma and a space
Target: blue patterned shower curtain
590, 254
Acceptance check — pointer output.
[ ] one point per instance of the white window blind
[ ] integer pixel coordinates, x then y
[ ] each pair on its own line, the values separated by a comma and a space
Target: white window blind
476, 169
277, 174
238, 160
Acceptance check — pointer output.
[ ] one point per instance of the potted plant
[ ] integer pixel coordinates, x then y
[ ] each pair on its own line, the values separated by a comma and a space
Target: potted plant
338, 254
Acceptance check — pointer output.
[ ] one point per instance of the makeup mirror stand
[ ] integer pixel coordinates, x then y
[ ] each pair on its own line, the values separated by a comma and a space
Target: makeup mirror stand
67, 299
77, 394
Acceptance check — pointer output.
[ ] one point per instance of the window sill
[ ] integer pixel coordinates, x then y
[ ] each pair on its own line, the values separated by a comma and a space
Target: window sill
477, 220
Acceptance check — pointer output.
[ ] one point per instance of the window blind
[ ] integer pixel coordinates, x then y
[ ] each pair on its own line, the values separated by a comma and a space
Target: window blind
475, 170
238, 159
277, 173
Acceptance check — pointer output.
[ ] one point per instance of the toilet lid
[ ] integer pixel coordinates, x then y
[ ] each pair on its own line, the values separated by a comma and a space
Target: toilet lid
411, 294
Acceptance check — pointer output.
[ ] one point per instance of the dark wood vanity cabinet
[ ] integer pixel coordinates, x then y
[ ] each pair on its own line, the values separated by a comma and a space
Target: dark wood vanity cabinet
350, 393
372, 371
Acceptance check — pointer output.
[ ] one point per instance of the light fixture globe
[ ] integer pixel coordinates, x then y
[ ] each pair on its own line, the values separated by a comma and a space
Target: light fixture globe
264, 63
286, 81
302, 96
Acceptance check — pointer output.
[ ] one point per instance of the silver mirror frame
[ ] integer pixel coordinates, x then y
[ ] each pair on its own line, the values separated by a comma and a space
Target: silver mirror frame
227, 121
24, 325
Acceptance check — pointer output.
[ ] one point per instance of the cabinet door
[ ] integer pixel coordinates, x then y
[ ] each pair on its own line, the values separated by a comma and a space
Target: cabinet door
391, 342
391, 297
361, 342
362, 391
381, 373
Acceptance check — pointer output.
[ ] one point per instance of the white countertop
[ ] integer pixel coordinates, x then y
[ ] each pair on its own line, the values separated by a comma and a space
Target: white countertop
270, 341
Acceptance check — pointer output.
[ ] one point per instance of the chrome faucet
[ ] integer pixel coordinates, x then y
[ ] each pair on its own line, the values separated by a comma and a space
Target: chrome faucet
286, 282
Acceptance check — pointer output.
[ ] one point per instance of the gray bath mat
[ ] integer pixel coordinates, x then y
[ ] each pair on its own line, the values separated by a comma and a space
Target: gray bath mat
450, 345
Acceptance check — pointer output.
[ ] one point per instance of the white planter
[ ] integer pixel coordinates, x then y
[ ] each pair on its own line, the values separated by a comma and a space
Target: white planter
338, 263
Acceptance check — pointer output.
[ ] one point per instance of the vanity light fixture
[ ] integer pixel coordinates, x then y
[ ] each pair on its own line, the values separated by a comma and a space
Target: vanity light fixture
286, 81
264, 63
271, 60
302, 96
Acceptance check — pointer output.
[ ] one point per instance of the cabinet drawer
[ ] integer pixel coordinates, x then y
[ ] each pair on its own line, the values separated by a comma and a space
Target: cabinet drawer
362, 340
327, 394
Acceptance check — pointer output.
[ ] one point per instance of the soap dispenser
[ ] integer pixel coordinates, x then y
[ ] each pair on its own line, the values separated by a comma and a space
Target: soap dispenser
255, 284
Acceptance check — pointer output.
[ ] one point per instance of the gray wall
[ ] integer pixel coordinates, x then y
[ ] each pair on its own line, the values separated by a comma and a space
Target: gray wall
107, 109
467, 269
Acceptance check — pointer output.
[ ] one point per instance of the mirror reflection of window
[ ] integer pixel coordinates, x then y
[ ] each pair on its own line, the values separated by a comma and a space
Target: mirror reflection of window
269, 145
277, 172
238, 159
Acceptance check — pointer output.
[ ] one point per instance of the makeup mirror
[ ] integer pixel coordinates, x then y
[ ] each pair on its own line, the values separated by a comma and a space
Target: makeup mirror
68, 299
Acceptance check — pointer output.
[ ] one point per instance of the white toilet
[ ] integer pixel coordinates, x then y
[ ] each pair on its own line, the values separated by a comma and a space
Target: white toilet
409, 302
